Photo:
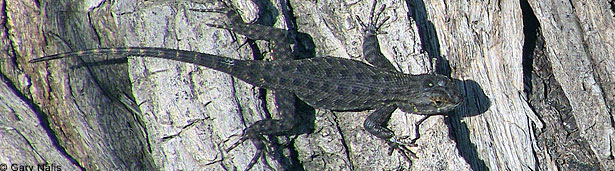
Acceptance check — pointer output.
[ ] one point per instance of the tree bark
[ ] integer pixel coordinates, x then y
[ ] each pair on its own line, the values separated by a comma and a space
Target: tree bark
537, 78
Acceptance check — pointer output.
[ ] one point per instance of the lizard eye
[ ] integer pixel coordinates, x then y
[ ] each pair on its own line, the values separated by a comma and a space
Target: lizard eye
428, 83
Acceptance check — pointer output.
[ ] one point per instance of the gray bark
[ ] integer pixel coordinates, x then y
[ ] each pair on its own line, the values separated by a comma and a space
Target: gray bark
536, 99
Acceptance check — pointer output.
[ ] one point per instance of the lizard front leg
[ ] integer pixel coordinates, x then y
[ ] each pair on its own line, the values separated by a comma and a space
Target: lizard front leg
377, 121
376, 124
371, 47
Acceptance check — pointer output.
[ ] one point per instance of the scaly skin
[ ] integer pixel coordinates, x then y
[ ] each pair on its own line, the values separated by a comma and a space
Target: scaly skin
323, 82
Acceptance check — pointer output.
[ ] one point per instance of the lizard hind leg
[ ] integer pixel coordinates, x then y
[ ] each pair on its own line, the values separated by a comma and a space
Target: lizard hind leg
285, 100
238, 25
256, 132
276, 36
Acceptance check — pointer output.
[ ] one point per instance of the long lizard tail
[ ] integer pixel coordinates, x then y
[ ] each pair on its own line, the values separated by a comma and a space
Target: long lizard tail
219, 63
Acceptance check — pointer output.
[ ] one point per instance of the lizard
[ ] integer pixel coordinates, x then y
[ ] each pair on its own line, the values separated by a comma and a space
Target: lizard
322, 82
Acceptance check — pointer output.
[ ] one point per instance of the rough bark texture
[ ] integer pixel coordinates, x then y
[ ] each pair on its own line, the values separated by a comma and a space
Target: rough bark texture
537, 76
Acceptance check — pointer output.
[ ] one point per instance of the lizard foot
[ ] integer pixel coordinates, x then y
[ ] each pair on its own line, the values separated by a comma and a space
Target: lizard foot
226, 9
259, 143
401, 143
256, 133
236, 23
373, 27
404, 140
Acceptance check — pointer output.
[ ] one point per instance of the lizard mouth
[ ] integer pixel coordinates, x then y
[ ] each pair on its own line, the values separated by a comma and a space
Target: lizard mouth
446, 103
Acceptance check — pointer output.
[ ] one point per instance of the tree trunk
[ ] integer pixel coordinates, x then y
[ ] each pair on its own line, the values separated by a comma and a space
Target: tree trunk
537, 78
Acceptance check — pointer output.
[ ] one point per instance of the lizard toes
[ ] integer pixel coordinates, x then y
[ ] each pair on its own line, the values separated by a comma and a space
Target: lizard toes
403, 150
404, 140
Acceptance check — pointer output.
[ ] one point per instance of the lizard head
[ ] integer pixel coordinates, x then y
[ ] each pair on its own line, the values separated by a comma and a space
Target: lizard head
435, 94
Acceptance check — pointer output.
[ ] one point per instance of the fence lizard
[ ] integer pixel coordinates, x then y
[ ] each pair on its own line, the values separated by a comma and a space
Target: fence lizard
322, 82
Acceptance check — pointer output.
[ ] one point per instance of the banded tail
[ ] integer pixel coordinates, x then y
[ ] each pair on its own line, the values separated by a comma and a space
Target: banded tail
227, 65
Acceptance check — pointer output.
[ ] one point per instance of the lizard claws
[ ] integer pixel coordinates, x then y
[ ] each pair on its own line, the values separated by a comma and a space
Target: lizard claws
242, 139
218, 10
403, 150
257, 140
403, 140
226, 9
220, 26
400, 143
374, 25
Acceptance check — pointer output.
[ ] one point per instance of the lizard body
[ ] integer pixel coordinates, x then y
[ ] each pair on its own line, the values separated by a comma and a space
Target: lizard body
323, 82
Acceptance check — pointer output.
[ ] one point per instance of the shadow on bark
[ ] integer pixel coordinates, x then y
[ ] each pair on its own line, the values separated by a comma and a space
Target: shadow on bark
475, 102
